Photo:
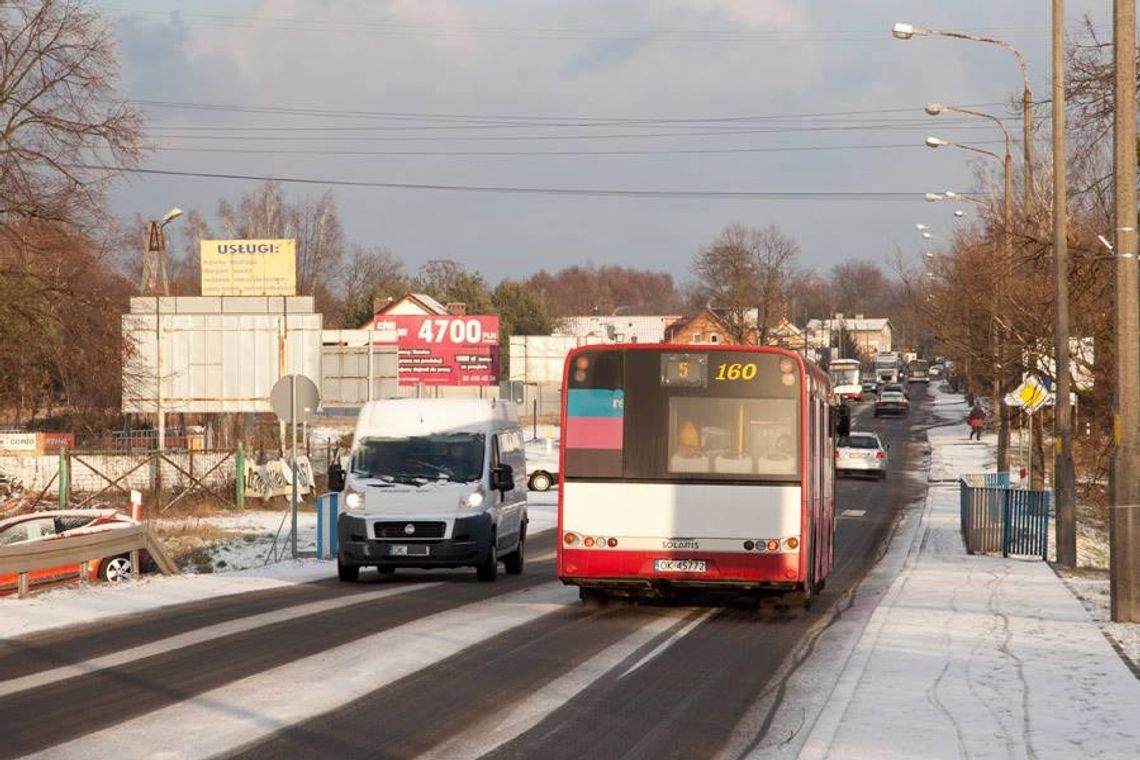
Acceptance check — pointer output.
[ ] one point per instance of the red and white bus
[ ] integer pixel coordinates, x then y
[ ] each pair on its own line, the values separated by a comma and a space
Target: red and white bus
691, 467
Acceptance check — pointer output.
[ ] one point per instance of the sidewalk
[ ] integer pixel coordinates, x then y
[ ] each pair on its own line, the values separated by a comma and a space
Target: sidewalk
976, 656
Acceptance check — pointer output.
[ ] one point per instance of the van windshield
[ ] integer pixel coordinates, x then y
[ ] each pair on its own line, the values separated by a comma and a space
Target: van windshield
443, 456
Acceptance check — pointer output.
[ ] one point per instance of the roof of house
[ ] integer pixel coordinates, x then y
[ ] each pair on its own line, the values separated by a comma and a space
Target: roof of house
848, 323
617, 329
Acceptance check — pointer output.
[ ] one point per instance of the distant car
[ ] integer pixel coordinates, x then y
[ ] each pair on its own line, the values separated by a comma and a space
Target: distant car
861, 453
892, 402
542, 464
870, 387
894, 388
936, 370
54, 524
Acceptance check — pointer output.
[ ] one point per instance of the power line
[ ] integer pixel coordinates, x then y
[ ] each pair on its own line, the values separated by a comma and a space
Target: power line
403, 30
538, 153
533, 120
602, 192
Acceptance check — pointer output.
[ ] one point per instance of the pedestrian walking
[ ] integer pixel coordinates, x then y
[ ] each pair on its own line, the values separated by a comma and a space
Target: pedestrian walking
974, 420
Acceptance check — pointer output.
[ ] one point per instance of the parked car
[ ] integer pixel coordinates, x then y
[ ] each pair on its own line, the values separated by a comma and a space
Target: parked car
892, 402
542, 463
861, 453
55, 524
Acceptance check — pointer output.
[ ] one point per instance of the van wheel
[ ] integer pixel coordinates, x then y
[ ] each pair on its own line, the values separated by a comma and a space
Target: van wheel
347, 573
513, 562
488, 569
541, 481
115, 569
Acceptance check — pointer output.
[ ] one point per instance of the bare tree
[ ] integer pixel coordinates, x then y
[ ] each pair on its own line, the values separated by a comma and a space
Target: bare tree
64, 132
744, 272
371, 273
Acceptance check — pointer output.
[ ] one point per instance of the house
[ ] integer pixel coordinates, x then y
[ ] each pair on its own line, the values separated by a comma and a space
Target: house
416, 304
703, 327
871, 336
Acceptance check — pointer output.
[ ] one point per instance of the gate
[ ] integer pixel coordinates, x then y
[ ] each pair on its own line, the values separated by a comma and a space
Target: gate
997, 518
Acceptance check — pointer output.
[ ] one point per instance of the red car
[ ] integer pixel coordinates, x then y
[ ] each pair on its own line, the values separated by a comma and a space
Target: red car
45, 526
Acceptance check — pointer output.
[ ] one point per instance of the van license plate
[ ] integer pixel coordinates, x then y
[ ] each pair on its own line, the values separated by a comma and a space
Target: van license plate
404, 550
680, 565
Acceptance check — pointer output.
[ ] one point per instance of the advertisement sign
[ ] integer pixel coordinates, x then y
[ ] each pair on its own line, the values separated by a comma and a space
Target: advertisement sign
443, 349
50, 443
18, 443
249, 267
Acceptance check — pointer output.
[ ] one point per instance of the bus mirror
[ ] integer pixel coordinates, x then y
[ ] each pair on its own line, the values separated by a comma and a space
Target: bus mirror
842, 419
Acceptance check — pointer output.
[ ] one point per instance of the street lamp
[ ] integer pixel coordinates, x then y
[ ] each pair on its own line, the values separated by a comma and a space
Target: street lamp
1002, 275
154, 267
907, 31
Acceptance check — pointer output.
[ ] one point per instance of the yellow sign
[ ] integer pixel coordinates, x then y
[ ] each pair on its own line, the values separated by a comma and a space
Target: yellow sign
1031, 394
249, 267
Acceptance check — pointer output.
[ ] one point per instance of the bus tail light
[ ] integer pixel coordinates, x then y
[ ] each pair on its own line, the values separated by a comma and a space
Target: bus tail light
773, 545
749, 546
588, 542
611, 542
792, 543
569, 538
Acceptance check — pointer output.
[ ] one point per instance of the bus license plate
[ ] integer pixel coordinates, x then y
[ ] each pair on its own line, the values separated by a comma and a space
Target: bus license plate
680, 565
404, 550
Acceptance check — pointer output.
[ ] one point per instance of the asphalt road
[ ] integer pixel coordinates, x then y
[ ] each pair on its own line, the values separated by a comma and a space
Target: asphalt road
437, 664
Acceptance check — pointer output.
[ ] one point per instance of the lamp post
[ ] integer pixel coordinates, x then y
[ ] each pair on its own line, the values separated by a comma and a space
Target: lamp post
1002, 275
907, 31
1124, 475
154, 265
1064, 475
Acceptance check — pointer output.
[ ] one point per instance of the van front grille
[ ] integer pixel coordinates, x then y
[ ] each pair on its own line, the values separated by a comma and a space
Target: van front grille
399, 530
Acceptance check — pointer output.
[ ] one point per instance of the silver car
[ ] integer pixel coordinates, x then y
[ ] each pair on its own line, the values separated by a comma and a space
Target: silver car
861, 453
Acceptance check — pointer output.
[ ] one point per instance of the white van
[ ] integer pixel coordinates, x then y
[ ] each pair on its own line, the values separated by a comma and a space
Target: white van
434, 483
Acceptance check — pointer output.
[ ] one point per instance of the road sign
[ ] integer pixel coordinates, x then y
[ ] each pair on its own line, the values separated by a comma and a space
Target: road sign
307, 402
1030, 395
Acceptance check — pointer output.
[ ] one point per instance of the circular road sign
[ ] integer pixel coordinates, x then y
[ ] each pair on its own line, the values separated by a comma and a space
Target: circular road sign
308, 398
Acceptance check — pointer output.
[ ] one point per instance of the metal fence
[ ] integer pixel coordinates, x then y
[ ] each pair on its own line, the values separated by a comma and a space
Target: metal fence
997, 518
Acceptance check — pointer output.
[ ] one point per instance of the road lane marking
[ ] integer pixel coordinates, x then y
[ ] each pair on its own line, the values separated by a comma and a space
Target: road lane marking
501, 727
199, 636
670, 641
246, 711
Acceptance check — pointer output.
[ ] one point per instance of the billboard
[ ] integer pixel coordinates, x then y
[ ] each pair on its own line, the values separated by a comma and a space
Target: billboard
249, 267
443, 349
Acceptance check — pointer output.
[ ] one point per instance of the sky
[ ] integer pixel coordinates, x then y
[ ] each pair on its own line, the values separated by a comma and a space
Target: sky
668, 106
938, 653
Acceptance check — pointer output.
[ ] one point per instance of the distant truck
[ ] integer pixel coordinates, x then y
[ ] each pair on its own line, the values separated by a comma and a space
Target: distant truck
888, 367
918, 371
434, 483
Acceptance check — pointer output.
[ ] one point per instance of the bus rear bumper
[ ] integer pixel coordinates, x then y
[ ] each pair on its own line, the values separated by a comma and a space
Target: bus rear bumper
617, 570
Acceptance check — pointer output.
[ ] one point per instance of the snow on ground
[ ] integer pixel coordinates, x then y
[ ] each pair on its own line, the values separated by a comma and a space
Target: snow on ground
238, 566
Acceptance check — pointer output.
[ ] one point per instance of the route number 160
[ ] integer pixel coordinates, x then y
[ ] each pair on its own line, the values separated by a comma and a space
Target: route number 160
735, 371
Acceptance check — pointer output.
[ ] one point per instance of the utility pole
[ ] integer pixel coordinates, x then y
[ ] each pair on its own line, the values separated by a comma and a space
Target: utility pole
1064, 503
1124, 475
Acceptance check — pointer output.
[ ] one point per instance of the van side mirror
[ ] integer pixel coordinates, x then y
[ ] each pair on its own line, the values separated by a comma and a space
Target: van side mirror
503, 478
336, 477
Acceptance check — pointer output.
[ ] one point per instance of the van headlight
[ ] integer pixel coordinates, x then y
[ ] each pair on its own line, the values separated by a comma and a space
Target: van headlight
473, 500
353, 500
